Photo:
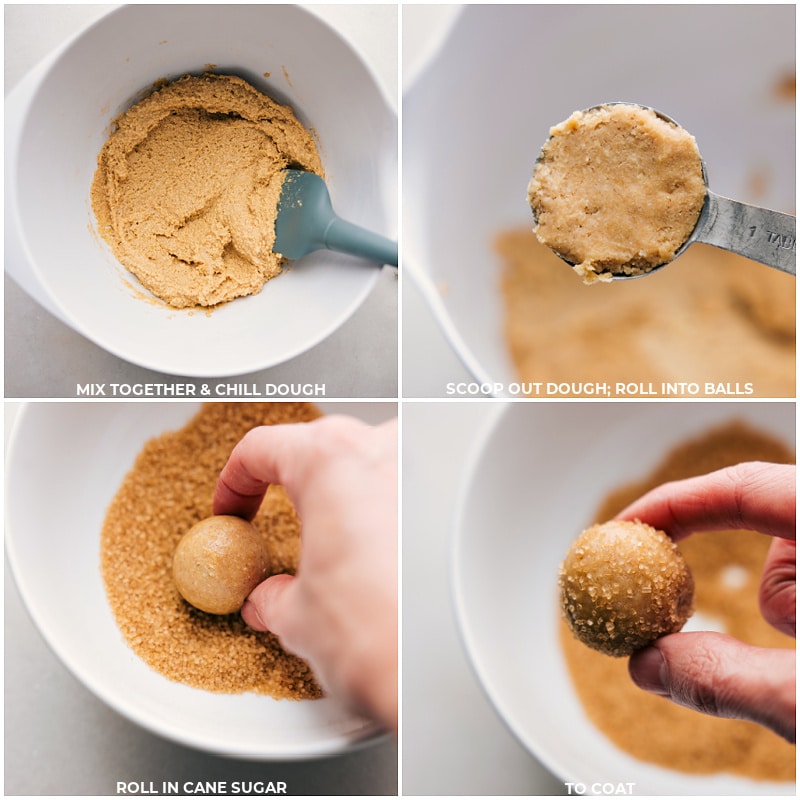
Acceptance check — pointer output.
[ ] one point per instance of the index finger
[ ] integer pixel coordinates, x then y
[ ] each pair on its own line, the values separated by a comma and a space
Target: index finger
263, 456
753, 496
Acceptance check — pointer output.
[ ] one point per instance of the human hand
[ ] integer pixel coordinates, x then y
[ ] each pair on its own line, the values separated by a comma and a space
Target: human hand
339, 612
710, 672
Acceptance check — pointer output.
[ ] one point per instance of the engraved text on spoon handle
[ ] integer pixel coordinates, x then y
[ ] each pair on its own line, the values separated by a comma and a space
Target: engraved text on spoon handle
756, 233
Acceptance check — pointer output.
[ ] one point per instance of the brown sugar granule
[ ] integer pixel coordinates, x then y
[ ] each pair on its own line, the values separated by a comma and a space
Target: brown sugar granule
652, 728
168, 490
709, 317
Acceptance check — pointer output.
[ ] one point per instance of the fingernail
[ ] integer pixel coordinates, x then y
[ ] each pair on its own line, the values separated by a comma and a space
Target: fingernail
647, 668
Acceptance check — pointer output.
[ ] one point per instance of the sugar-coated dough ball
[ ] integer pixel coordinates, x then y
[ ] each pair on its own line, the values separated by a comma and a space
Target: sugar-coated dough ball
218, 562
624, 584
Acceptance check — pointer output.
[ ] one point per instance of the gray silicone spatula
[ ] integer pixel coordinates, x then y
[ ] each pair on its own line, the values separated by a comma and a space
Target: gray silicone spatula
307, 222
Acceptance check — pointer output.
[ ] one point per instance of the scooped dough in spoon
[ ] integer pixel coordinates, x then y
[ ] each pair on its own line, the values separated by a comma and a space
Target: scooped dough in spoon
623, 585
617, 190
218, 562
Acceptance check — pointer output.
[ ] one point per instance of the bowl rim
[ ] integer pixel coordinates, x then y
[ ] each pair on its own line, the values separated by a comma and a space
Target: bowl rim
27, 91
476, 461
332, 745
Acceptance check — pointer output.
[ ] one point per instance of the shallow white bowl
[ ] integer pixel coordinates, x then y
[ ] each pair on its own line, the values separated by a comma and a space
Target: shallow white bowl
59, 118
65, 462
536, 477
475, 120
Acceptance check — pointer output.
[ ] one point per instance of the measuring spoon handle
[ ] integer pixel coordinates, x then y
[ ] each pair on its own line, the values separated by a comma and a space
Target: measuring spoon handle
768, 237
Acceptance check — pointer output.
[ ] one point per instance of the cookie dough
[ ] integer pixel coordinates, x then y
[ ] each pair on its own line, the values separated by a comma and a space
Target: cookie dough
218, 562
616, 191
647, 330
187, 187
624, 584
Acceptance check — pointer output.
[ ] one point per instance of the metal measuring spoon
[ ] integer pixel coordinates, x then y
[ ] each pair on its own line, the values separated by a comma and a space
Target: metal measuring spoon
759, 234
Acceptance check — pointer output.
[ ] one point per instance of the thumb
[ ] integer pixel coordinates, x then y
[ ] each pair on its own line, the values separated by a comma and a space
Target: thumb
718, 675
267, 607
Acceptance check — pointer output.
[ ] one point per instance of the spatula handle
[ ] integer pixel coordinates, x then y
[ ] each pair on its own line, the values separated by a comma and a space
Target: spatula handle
345, 237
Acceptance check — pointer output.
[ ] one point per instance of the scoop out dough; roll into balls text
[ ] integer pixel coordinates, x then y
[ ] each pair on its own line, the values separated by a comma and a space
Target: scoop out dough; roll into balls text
623, 585
218, 562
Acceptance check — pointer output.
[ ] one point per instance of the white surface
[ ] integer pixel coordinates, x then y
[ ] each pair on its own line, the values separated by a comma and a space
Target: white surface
454, 743
474, 122
365, 360
429, 361
518, 513
108, 435
426, 27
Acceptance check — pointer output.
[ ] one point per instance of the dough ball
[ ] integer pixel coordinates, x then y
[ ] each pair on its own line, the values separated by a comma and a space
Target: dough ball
218, 562
624, 584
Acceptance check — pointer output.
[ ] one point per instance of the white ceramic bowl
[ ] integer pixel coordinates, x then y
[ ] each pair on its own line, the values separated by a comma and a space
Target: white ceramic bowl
53, 548
474, 121
537, 475
58, 119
